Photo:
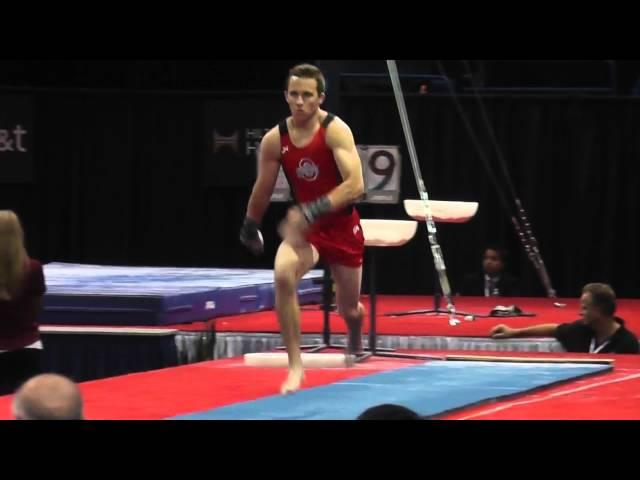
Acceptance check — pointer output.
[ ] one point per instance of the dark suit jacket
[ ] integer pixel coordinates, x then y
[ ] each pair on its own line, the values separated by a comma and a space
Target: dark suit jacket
473, 285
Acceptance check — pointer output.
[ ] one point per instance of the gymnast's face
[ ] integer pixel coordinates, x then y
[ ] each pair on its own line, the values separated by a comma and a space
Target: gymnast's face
303, 98
590, 314
491, 262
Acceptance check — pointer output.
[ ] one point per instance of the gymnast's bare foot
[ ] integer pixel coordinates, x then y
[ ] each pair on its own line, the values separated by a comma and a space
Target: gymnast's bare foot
293, 381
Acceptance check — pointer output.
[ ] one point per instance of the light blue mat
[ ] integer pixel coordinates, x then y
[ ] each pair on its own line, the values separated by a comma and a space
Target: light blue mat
429, 389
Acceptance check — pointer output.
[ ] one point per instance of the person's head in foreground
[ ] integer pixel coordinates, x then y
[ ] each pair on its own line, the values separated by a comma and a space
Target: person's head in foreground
389, 412
48, 397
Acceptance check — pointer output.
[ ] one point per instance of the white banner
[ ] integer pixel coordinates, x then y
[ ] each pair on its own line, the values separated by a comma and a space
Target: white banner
381, 167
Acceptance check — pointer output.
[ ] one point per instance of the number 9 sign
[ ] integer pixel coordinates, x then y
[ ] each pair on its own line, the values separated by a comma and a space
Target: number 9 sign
381, 170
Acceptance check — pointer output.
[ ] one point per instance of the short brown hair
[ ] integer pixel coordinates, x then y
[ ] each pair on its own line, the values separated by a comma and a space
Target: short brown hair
602, 296
306, 70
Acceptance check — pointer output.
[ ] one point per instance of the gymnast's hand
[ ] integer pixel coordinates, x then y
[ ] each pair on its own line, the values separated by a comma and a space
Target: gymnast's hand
251, 237
502, 331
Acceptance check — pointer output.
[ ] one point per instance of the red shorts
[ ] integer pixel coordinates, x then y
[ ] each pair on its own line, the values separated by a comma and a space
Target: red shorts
339, 239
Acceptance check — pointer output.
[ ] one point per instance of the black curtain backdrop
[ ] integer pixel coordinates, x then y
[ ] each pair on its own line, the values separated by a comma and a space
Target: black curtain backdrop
119, 178
573, 161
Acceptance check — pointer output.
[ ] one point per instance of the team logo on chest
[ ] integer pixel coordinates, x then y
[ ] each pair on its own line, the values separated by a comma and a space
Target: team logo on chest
307, 170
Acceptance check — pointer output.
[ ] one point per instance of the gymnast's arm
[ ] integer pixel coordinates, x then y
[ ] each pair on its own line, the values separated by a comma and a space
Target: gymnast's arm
544, 330
340, 141
268, 167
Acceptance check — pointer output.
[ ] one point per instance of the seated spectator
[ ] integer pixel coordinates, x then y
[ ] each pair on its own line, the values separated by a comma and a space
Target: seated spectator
598, 331
494, 280
22, 287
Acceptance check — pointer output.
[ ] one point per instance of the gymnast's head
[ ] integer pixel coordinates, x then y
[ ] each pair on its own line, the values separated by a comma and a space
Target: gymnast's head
304, 91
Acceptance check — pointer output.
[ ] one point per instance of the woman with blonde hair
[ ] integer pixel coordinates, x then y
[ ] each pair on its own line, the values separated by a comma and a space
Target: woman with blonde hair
22, 286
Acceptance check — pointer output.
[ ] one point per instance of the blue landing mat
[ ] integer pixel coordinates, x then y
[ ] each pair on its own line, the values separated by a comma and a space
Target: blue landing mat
80, 294
429, 389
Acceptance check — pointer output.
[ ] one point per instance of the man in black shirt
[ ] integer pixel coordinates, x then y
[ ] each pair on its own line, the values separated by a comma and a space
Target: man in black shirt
598, 331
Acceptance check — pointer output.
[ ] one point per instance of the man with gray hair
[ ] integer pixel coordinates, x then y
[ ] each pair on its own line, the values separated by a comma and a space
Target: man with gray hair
48, 397
598, 331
